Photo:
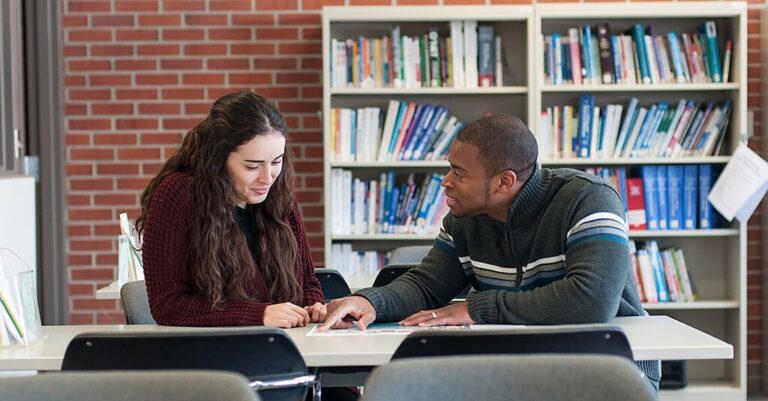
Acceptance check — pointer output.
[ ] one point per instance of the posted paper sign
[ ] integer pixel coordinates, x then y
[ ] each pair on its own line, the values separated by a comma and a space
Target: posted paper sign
741, 186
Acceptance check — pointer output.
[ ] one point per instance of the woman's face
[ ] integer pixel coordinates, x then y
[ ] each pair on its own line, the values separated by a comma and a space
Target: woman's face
254, 166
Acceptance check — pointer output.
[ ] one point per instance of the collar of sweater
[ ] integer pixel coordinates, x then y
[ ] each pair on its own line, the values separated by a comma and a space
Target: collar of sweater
531, 199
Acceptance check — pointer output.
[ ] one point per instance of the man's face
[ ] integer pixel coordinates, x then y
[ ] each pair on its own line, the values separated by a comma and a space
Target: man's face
467, 188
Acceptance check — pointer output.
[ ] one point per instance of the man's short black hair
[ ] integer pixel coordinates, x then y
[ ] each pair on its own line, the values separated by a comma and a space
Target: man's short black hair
505, 143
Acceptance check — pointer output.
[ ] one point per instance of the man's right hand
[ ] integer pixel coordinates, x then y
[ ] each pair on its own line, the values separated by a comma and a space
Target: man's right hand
342, 311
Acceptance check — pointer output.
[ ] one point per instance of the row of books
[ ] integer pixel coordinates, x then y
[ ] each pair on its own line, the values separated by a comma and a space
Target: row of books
470, 56
638, 56
350, 262
661, 275
666, 197
410, 131
664, 129
387, 205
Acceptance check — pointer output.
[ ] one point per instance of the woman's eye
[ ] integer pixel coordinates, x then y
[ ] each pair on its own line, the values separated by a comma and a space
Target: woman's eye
251, 167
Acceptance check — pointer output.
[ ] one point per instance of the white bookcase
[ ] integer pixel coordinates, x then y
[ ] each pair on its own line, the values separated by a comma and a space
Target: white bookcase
716, 258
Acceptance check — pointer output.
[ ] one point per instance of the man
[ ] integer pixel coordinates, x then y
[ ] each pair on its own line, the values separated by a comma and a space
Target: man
538, 246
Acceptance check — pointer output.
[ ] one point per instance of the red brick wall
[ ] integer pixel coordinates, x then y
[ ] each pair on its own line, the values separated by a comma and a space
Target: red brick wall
139, 73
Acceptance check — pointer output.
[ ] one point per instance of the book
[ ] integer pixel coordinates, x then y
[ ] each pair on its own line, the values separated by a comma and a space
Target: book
604, 45
485, 56
636, 204
690, 196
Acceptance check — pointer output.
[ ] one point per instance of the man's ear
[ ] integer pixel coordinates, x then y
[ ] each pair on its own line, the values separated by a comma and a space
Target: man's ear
507, 180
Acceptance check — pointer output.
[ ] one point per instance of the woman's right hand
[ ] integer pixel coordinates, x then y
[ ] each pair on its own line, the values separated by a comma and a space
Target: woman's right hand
285, 316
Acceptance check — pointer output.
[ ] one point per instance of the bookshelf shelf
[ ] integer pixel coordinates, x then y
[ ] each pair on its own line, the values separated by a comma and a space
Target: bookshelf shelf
384, 237
624, 161
505, 90
641, 88
393, 164
703, 305
717, 232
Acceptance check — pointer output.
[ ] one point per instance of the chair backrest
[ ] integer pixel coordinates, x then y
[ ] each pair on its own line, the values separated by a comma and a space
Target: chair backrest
409, 254
121, 386
510, 377
332, 283
133, 296
263, 354
390, 272
545, 340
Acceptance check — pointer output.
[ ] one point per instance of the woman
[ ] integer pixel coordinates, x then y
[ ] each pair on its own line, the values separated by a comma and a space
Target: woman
223, 239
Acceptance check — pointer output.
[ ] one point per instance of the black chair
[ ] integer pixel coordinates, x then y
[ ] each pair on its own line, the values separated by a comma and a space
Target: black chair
546, 340
332, 283
389, 273
266, 356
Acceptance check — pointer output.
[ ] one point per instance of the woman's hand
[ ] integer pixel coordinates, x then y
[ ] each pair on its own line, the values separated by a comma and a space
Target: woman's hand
316, 312
286, 315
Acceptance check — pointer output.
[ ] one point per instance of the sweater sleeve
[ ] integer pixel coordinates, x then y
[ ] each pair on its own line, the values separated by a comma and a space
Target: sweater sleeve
312, 292
596, 263
431, 284
165, 250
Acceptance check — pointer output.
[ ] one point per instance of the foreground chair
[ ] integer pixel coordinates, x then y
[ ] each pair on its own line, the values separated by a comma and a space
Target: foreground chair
122, 386
133, 296
267, 357
510, 378
545, 340
332, 283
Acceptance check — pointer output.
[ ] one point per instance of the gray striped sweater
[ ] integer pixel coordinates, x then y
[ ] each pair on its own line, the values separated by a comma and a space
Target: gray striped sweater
562, 257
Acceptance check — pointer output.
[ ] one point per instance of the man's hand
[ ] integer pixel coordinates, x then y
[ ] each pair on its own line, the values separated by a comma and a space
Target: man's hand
316, 312
451, 315
342, 311
285, 316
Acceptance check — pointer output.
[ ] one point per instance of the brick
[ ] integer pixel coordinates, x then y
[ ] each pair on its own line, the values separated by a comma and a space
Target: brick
182, 94
205, 19
91, 154
109, 80
318, 4
111, 109
80, 318
179, 123
135, 65
255, 78
462, 2
157, 79
132, 183
117, 169
136, 94
158, 50
300, 107
136, 6
79, 200
103, 230
306, 137
370, 2
197, 108
311, 63
89, 6
205, 49
110, 318
114, 139
262, 63
151, 168
76, 230
227, 64
136, 123
77, 139
115, 200
90, 184
138, 154
79, 260
90, 35
131, 35
89, 124
157, 139
93, 304
215, 93
263, 5
310, 121
159, 108
159, 20
298, 19
183, 34
298, 77
253, 49
111, 21
307, 165
69, 21
230, 34
300, 48
75, 51
312, 33
90, 245
308, 196
253, 19
80, 289
313, 152
203, 79
74, 80
111, 50
169, 5
277, 33
75, 109
89, 65
181, 64
230, 5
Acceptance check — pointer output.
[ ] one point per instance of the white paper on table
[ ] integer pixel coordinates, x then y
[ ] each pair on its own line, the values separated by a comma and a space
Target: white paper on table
741, 186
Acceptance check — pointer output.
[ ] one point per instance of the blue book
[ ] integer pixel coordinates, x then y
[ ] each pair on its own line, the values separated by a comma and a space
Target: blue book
621, 172
617, 59
557, 47
652, 133
626, 127
396, 129
690, 196
429, 198
394, 198
661, 184
387, 200
708, 216
435, 125
421, 125
638, 35
353, 131
586, 53
675, 196
658, 271
646, 126
586, 104
713, 55
415, 121
674, 47
382, 201
650, 191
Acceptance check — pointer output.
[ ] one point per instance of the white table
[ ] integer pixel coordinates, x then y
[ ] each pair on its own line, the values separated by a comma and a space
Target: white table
651, 337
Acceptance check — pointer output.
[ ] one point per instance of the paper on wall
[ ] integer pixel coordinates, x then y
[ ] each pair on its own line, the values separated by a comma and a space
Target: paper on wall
741, 186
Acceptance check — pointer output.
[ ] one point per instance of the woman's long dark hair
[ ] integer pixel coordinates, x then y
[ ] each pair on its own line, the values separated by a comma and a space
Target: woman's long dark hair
221, 262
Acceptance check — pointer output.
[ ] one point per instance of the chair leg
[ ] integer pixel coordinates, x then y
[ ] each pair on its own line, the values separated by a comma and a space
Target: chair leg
317, 389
